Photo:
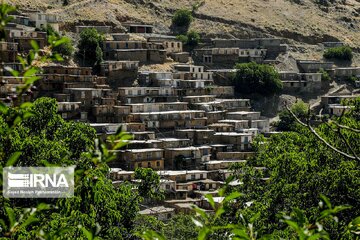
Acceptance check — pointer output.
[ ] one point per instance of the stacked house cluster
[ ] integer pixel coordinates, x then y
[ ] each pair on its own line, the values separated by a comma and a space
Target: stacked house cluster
186, 122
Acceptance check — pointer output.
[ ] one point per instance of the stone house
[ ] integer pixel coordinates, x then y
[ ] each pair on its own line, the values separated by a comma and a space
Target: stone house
221, 164
8, 51
160, 212
240, 141
186, 157
138, 28
243, 115
100, 28
197, 136
313, 66
133, 158
346, 72
119, 73
69, 110
42, 20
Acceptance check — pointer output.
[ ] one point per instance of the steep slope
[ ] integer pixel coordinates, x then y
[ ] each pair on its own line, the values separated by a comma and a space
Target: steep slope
302, 23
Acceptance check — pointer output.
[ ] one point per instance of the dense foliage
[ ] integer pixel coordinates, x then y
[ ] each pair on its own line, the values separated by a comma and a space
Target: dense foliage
287, 121
182, 18
324, 75
300, 168
256, 78
90, 46
191, 39
44, 139
339, 53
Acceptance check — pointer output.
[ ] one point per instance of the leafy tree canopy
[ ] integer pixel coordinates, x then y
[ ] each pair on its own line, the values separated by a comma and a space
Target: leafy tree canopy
257, 78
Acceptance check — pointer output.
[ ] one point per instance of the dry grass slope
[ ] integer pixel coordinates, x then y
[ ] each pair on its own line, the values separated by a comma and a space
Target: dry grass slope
304, 23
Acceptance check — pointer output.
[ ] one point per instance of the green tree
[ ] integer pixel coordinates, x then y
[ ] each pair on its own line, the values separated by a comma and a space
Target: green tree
339, 53
182, 18
90, 46
301, 168
149, 183
257, 78
324, 75
287, 121
191, 39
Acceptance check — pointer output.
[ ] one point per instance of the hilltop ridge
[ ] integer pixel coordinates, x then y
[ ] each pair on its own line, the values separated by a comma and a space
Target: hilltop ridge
305, 21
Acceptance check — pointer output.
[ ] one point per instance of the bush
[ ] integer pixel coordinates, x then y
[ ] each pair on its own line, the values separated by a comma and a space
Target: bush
191, 39
257, 78
340, 53
324, 75
183, 38
182, 18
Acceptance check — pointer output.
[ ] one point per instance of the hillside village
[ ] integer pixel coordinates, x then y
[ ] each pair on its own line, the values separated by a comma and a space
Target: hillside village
187, 121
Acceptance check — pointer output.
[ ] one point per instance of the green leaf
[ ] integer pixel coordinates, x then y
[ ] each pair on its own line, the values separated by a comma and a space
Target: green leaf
210, 199
26, 105
232, 196
17, 120
12, 71
11, 216
241, 233
30, 220
203, 233
58, 57
326, 200
31, 80
30, 72
13, 159
60, 41
356, 221
87, 233
201, 212
34, 45
3, 108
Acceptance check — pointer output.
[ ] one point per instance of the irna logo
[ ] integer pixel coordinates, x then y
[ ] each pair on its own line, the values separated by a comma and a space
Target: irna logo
38, 182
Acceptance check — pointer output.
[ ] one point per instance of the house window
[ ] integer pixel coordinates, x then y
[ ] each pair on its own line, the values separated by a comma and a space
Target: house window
172, 44
158, 165
139, 92
167, 186
126, 45
82, 94
149, 164
130, 92
192, 176
201, 176
139, 165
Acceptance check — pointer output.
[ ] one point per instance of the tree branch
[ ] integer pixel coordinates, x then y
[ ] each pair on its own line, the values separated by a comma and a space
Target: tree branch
320, 138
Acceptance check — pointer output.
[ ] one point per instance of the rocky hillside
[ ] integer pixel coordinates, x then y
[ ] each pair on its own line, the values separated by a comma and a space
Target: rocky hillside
302, 22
